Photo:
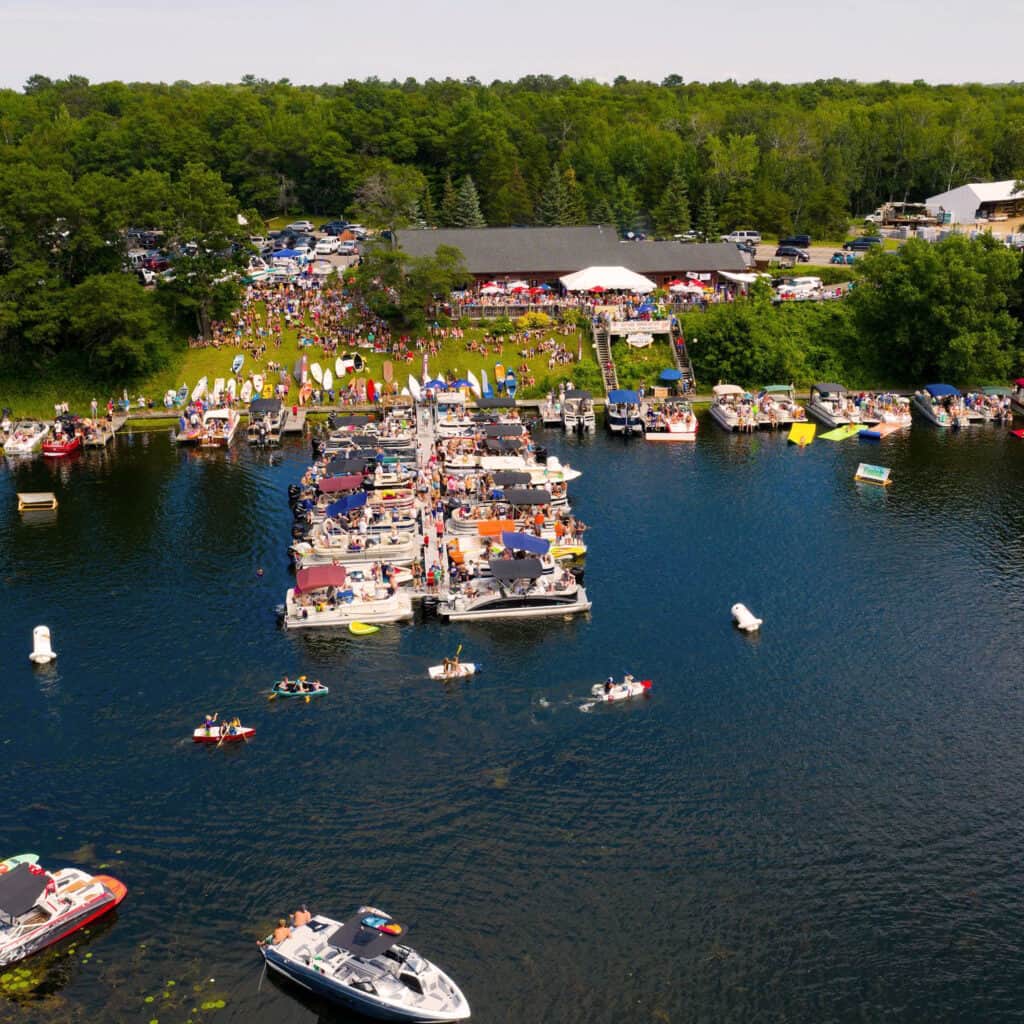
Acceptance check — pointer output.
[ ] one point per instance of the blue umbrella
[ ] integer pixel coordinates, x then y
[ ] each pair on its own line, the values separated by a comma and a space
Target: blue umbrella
670, 375
646, 308
462, 384
545, 287
435, 384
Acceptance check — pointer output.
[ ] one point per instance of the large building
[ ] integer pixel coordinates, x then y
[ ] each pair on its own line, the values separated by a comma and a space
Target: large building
543, 255
987, 200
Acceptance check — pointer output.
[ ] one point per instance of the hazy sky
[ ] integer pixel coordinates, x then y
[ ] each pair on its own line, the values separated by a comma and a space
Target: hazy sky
312, 41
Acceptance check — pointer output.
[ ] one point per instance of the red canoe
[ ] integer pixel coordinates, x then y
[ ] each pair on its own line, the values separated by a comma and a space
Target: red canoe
212, 735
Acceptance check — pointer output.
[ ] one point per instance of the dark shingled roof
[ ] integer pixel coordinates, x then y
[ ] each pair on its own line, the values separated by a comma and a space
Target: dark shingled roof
540, 251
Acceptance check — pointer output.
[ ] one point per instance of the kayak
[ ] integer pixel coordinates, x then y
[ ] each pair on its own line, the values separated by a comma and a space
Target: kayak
279, 691
362, 628
625, 690
212, 735
463, 669
18, 858
236, 364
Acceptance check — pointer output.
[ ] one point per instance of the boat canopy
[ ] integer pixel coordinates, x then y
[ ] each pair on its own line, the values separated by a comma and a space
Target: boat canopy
362, 940
623, 397
503, 444
495, 403
722, 390
337, 422
997, 392
527, 496
670, 374
516, 568
777, 389
942, 390
20, 889
510, 478
829, 389
342, 466
317, 576
504, 430
516, 541
262, 406
333, 484
577, 394
347, 504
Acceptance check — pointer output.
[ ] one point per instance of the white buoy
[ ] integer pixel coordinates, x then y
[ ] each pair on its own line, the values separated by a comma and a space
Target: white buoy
745, 618
42, 652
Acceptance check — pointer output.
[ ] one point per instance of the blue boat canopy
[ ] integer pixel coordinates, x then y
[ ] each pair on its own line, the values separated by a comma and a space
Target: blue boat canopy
620, 396
347, 504
525, 542
670, 374
942, 390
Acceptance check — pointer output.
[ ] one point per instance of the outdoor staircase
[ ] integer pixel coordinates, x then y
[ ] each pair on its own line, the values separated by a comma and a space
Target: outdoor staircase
680, 356
603, 346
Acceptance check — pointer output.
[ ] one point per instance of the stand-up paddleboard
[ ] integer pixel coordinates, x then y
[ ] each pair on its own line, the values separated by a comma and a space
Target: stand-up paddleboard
328, 380
257, 383
18, 858
199, 390
414, 388
362, 628
474, 384
317, 373
218, 388
232, 388
339, 368
499, 377
371, 391
236, 364
511, 383
388, 370
460, 671
488, 393
247, 392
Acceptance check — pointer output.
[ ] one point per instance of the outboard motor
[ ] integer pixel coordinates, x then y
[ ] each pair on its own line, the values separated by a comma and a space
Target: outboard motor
294, 490
541, 453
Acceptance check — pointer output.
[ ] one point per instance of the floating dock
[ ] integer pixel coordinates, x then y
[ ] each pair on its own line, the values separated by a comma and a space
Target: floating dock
37, 501
294, 422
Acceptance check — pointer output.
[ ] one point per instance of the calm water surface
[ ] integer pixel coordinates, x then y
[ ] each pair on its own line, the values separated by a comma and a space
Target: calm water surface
822, 823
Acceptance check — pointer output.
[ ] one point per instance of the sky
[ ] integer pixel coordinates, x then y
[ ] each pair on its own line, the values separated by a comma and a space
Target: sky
315, 41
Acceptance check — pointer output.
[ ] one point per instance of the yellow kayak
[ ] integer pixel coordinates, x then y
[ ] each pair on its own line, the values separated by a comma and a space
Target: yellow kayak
362, 628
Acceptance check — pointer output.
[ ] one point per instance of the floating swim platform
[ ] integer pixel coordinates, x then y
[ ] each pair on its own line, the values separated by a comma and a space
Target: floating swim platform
802, 434
37, 501
878, 431
362, 628
847, 430
868, 474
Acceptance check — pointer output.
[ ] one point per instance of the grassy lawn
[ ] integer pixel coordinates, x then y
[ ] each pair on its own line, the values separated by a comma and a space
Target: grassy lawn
636, 366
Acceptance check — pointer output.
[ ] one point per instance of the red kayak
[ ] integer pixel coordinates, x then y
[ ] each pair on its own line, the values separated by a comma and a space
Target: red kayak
62, 445
232, 734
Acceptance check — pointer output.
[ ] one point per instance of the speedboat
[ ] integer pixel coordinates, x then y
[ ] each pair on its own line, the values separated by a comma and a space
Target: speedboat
777, 407
517, 589
629, 688
623, 414
578, 413
942, 405
361, 964
65, 440
39, 908
671, 419
219, 426
321, 598
26, 437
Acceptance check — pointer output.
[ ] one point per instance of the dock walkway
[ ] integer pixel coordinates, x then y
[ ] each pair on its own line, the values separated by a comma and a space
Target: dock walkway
294, 421
432, 554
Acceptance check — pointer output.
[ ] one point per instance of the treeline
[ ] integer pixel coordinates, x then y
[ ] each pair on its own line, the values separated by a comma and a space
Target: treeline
539, 150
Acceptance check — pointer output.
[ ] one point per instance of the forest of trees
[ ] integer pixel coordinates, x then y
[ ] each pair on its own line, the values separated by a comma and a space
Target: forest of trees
81, 162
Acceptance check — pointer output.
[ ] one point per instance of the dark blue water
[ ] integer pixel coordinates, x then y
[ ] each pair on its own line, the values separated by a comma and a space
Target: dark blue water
820, 823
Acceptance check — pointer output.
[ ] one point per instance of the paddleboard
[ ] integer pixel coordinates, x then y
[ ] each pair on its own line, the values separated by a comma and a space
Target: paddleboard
199, 390
414, 388
328, 380
218, 387
257, 383
511, 383
371, 391
488, 393
247, 391
842, 433
388, 370
362, 628
339, 368
474, 384
465, 668
300, 370
317, 373
499, 377
18, 858
232, 388
236, 364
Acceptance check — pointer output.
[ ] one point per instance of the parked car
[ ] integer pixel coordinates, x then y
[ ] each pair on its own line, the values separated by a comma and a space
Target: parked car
300, 226
158, 264
862, 244
257, 240
146, 277
357, 229
333, 227
747, 236
748, 247
846, 258
800, 241
348, 249
326, 246
792, 252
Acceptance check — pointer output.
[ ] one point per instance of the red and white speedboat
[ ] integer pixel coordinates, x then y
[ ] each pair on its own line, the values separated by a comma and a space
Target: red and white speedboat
223, 734
65, 438
39, 908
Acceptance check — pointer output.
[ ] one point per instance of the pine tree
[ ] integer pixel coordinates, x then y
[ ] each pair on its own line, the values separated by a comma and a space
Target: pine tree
552, 208
449, 203
428, 212
707, 218
512, 203
467, 206
625, 205
602, 211
672, 214
575, 206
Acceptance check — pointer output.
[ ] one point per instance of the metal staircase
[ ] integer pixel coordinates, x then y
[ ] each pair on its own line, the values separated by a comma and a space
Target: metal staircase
681, 357
603, 347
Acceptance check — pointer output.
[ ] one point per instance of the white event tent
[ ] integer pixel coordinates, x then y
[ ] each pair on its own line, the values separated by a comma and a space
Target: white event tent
608, 279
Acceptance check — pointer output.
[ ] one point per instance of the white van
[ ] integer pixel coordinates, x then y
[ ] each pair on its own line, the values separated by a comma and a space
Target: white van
750, 237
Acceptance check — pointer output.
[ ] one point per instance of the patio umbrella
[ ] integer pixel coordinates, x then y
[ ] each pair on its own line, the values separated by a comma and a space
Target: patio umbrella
535, 291
518, 288
545, 287
646, 308
677, 281
597, 288
461, 384
433, 385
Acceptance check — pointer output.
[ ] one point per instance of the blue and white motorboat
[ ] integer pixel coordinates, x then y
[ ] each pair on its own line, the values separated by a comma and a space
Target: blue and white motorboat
623, 414
363, 964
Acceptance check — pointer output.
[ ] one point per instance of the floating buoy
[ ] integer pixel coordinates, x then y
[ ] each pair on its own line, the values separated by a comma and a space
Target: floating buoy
42, 652
259, 572
745, 618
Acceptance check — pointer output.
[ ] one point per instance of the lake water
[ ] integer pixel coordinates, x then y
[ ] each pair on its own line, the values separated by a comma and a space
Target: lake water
820, 823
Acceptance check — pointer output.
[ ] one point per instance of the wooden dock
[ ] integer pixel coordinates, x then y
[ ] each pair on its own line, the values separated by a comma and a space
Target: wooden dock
104, 431
294, 422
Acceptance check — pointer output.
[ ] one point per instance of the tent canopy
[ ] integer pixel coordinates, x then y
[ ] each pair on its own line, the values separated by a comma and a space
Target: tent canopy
611, 279
317, 576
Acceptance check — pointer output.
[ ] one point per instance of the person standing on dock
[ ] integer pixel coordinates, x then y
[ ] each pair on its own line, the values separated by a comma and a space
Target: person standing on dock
94, 408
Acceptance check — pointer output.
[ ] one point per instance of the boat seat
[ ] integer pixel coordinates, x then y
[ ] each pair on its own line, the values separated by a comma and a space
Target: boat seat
75, 886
